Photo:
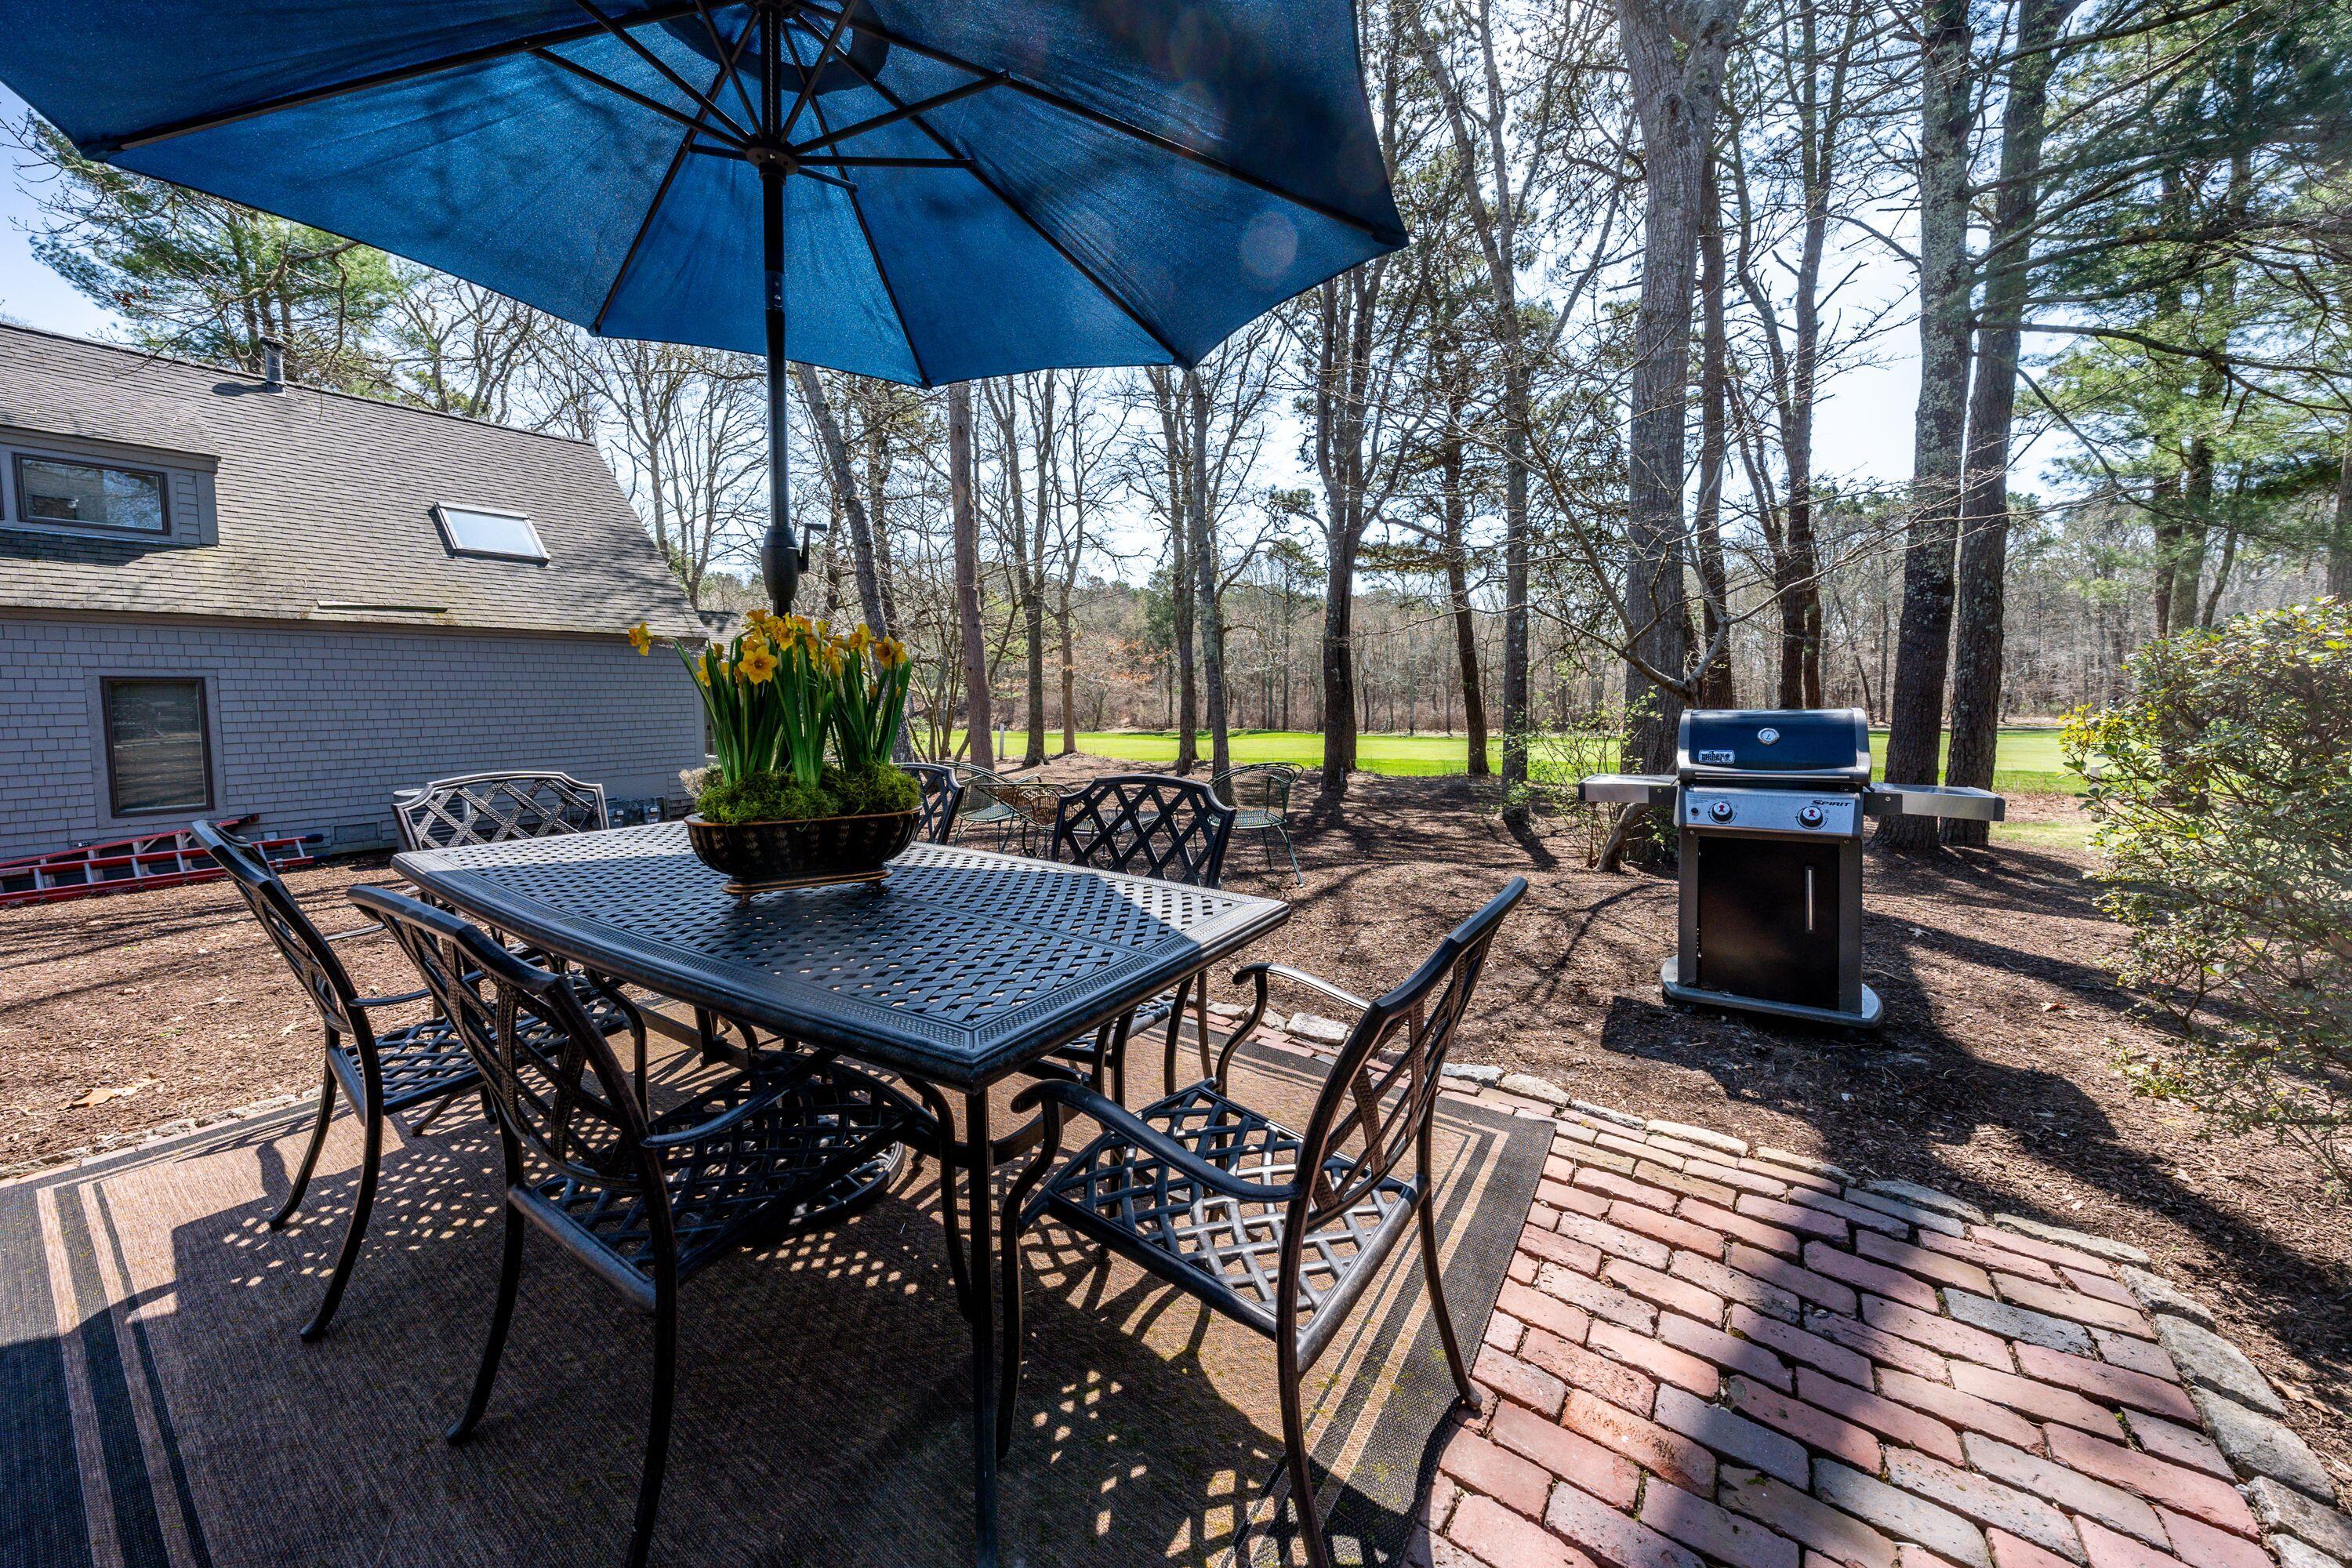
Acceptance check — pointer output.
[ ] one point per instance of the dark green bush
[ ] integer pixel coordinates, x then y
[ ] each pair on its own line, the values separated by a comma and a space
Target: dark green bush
2222, 788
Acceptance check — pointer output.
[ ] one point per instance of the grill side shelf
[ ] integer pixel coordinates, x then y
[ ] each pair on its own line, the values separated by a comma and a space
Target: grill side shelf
1654, 789
1935, 800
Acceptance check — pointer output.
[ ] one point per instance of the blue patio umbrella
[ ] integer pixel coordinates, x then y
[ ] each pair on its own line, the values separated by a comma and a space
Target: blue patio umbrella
928, 191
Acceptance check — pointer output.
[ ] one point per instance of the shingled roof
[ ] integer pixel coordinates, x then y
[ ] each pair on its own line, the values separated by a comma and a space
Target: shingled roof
324, 505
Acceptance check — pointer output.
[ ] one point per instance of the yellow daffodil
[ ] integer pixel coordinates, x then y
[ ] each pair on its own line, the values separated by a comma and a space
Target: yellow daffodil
640, 638
889, 653
859, 640
757, 667
758, 619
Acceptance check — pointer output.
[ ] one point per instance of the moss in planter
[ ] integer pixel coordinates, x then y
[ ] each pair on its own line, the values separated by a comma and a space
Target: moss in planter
780, 797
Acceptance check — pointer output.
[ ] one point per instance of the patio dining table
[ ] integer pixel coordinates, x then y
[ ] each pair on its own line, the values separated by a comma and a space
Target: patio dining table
962, 968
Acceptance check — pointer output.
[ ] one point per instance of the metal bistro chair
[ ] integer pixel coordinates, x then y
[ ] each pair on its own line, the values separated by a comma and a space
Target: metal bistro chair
645, 1203
1259, 793
1015, 810
1207, 1193
493, 807
381, 1072
942, 799
1146, 824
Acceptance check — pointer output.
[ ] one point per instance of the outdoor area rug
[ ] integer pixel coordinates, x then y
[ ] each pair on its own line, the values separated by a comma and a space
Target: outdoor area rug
156, 1408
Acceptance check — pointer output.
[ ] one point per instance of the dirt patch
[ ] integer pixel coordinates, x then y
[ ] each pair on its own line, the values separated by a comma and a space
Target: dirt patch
1994, 1077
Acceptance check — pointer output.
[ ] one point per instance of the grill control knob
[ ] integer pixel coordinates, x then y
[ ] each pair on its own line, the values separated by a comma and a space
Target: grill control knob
1811, 817
1720, 811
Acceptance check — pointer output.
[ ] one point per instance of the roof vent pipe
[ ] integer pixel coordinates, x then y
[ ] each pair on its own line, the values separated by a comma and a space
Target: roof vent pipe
273, 365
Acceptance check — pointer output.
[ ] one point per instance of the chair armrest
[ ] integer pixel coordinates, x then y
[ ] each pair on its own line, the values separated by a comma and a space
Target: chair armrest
724, 1120
405, 996
1116, 1117
1312, 982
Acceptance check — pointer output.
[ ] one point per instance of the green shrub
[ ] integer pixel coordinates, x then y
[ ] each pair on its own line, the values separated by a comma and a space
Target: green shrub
2223, 798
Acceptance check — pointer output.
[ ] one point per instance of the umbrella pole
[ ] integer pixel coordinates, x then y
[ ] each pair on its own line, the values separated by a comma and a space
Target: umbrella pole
780, 558
780, 553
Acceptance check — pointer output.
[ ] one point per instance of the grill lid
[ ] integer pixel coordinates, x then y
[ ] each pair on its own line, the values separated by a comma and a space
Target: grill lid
1762, 744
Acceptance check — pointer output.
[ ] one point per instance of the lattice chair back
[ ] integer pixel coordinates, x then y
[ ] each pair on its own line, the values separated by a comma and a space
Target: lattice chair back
321, 975
1147, 825
488, 808
1263, 788
555, 1080
942, 799
1381, 1092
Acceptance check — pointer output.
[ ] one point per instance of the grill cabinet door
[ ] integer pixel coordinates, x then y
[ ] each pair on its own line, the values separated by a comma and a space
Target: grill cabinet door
1762, 931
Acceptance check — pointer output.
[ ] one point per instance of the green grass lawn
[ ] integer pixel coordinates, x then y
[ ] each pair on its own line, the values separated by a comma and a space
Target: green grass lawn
2027, 763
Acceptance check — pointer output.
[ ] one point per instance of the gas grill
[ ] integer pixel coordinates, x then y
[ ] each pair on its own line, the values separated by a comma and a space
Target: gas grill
1769, 807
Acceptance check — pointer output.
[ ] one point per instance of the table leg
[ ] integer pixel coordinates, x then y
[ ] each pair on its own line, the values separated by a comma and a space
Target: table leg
981, 1157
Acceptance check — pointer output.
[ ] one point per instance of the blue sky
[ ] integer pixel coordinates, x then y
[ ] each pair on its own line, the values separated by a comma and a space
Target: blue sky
1863, 429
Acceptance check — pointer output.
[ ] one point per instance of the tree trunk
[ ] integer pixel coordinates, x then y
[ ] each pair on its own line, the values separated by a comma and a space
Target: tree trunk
1209, 621
1465, 624
2339, 543
980, 718
1715, 682
847, 501
1922, 655
1033, 580
1992, 407
1676, 98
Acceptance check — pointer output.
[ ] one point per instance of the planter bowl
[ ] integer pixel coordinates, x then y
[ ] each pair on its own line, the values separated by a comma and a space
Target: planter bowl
757, 856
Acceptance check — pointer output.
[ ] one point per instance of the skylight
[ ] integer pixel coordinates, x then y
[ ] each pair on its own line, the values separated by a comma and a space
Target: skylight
470, 531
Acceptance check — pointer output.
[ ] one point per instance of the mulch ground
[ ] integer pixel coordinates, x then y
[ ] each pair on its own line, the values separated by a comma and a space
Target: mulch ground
1995, 1077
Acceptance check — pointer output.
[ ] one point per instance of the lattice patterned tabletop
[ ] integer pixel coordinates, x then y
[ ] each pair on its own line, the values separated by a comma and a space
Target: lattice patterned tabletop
959, 967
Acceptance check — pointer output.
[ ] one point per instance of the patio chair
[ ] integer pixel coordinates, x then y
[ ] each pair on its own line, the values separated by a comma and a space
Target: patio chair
1259, 793
943, 797
1211, 1195
645, 1203
382, 1072
1146, 824
490, 808
493, 807
1016, 810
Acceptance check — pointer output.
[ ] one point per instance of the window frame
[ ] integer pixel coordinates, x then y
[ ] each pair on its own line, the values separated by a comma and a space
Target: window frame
441, 510
20, 511
106, 685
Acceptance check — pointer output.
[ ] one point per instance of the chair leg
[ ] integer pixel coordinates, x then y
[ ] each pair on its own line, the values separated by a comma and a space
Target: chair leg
1295, 1455
501, 1319
1008, 1373
310, 1156
370, 1158
1462, 1384
640, 1540
1297, 877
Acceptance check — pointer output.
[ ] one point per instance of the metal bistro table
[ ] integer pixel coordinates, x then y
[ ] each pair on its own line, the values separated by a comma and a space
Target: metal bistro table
960, 969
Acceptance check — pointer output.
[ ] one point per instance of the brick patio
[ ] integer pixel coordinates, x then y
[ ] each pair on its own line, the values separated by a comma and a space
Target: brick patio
1711, 1353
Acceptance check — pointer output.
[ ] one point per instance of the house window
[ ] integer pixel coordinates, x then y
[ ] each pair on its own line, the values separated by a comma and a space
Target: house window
468, 531
91, 495
157, 755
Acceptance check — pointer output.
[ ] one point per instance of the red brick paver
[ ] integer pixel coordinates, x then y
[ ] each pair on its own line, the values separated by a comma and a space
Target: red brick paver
1713, 1356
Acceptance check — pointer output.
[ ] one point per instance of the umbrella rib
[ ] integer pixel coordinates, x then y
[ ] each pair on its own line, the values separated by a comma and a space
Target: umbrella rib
858, 210
484, 55
1017, 210
710, 105
904, 111
809, 72
732, 56
661, 192
691, 122
1127, 127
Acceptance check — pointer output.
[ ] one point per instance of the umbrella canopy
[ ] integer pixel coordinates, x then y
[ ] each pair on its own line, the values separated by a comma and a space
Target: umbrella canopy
926, 190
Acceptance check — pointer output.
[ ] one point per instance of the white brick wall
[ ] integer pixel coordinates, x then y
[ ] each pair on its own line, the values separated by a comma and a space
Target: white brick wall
316, 728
